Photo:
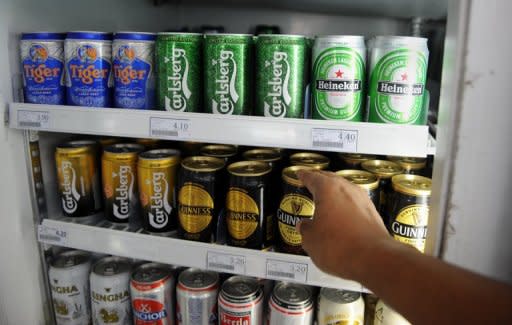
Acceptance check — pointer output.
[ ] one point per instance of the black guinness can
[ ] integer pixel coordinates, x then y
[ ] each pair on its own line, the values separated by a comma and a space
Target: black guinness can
222, 151
353, 160
310, 159
365, 180
411, 165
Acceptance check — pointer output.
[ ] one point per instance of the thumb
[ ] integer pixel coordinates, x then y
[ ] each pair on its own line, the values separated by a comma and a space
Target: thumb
304, 227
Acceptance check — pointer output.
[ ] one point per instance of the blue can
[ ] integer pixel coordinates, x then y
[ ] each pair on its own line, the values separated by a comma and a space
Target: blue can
42, 63
133, 68
89, 79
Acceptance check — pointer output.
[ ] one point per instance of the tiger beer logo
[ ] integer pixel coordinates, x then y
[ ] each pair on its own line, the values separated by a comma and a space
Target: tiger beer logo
110, 297
160, 208
39, 67
195, 210
70, 195
128, 68
178, 81
147, 311
226, 95
292, 209
124, 192
242, 214
410, 226
88, 67
278, 98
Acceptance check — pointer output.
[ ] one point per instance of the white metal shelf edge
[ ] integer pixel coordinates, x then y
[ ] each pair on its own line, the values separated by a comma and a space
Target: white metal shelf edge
185, 253
389, 139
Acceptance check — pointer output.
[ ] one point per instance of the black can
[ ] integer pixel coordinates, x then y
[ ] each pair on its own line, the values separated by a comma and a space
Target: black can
353, 160
411, 165
222, 151
199, 197
365, 180
310, 159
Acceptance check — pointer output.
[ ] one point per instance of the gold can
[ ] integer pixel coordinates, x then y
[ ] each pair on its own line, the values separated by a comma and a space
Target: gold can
222, 151
354, 160
78, 177
310, 159
119, 175
149, 144
409, 209
365, 180
157, 171
411, 165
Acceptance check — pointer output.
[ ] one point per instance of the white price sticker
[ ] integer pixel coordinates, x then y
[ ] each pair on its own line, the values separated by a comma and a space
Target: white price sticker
169, 128
34, 119
281, 270
50, 235
223, 262
345, 140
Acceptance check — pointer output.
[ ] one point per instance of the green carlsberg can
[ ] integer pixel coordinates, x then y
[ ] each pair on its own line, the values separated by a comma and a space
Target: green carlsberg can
338, 77
398, 73
227, 80
178, 64
280, 76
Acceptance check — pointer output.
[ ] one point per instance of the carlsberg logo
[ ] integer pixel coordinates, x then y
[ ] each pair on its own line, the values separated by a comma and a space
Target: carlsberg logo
178, 81
225, 85
278, 98
124, 192
70, 195
160, 208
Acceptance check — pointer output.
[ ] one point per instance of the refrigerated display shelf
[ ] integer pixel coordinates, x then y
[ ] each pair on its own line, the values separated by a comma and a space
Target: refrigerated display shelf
119, 240
305, 134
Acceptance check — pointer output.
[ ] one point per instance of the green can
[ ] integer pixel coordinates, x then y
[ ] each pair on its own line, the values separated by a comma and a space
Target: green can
338, 77
280, 61
227, 82
397, 80
179, 66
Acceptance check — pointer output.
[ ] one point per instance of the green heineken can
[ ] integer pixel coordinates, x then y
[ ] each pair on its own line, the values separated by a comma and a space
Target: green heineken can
227, 80
338, 77
178, 66
280, 75
398, 72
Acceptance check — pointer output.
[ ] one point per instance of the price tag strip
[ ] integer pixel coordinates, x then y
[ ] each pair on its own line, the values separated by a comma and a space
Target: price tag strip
281, 270
345, 140
171, 128
34, 119
51, 235
223, 262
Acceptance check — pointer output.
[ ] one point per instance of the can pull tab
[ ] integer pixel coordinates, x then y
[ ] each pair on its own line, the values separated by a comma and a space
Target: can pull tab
70, 261
111, 269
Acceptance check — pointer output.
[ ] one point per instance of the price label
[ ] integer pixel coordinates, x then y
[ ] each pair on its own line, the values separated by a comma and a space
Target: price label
335, 138
223, 262
50, 235
34, 119
169, 128
281, 270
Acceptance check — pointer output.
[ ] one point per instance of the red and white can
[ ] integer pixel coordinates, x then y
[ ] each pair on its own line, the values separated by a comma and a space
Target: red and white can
291, 304
241, 302
196, 297
152, 292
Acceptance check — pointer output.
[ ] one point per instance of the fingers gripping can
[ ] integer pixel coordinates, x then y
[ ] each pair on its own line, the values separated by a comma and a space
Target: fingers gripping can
340, 307
366, 180
291, 304
241, 301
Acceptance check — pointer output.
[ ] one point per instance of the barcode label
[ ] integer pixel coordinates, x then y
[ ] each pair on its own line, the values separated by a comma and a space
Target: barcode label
33, 119
169, 128
223, 262
282, 270
165, 133
345, 140
51, 235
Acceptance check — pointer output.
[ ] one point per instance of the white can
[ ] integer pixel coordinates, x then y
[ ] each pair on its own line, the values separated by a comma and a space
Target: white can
340, 306
385, 315
69, 283
291, 304
241, 301
110, 291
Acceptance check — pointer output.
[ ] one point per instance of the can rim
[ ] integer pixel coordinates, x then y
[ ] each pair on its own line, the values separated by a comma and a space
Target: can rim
355, 37
219, 164
407, 190
283, 35
265, 168
370, 166
89, 35
137, 36
125, 265
226, 34
373, 184
178, 33
381, 40
50, 36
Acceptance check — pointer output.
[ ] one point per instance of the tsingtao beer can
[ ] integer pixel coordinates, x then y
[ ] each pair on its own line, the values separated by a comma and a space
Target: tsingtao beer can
241, 301
110, 291
366, 180
338, 77
291, 304
179, 66
157, 173
152, 293
69, 283
385, 315
227, 81
196, 295
78, 178
340, 307
310, 159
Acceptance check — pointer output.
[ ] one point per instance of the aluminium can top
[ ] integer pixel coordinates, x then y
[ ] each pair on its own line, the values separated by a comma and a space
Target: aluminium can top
151, 272
111, 265
43, 36
134, 36
293, 294
70, 259
399, 41
339, 296
89, 35
342, 40
195, 279
240, 287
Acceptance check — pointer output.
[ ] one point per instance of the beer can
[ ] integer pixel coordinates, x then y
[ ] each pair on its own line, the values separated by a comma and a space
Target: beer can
152, 293
267, 29
296, 204
366, 180
385, 315
240, 301
398, 73
411, 165
227, 81
353, 160
78, 178
149, 144
42, 61
409, 209
69, 284
291, 303
196, 297
178, 67
280, 75
338, 77
340, 307
157, 173
110, 291
310, 159
271, 156
200, 197
120, 188
247, 213
224, 151
133, 67
89, 79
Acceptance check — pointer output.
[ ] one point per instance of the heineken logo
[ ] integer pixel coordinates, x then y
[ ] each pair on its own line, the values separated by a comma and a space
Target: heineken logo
123, 192
70, 195
278, 98
160, 209
338, 85
178, 81
397, 88
226, 95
